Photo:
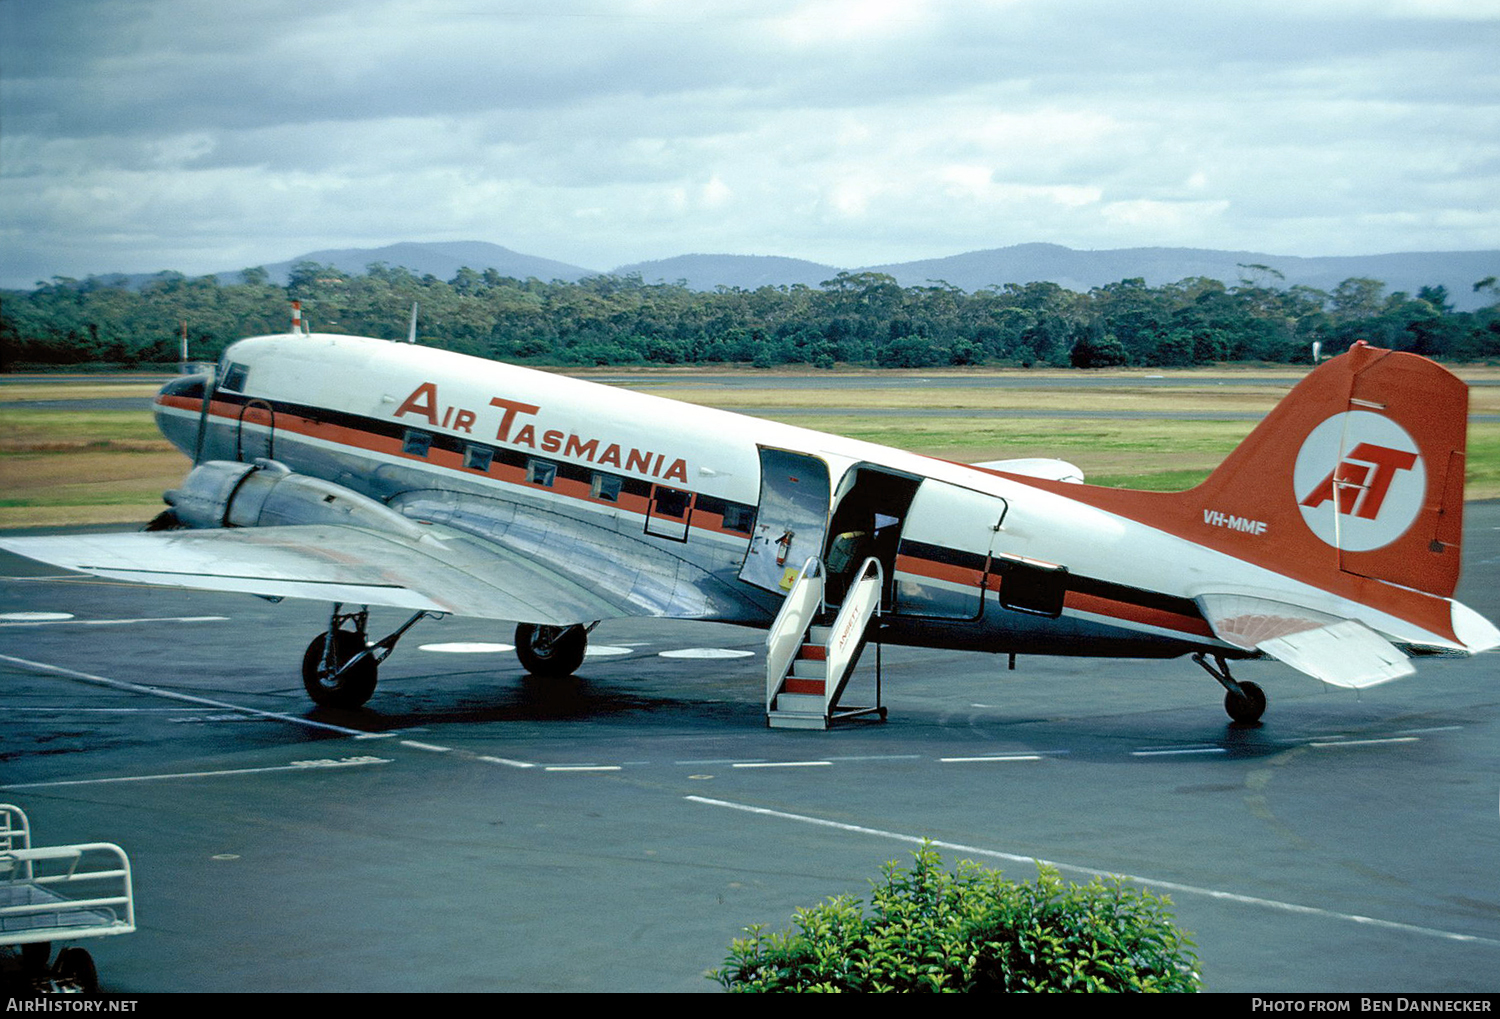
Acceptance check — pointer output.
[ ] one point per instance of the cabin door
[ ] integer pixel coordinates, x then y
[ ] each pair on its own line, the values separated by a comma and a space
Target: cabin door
946, 560
791, 519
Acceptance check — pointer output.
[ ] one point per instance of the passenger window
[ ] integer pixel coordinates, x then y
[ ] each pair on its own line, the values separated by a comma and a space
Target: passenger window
739, 519
478, 458
669, 502
416, 443
541, 472
606, 487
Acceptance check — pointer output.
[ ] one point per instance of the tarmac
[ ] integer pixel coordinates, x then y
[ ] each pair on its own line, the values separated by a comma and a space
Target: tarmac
473, 829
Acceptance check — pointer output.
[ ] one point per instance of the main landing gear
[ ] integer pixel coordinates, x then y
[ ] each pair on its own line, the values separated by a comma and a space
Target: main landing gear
339, 667
1245, 701
552, 652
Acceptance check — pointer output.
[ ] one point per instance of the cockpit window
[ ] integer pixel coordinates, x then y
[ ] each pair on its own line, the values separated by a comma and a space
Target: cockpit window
234, 378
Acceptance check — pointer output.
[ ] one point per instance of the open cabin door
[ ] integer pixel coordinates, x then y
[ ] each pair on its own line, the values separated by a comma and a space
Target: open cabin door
947, 560
791, 519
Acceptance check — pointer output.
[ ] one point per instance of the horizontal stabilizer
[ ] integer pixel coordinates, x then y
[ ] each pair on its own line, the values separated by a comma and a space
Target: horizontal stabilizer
1341, 652
1347, 654
444, 571
1036, 467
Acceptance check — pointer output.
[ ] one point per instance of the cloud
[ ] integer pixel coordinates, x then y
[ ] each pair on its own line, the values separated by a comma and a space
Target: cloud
199, 136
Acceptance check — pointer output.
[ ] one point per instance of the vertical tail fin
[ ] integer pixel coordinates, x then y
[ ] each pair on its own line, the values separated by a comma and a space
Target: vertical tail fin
1360, 469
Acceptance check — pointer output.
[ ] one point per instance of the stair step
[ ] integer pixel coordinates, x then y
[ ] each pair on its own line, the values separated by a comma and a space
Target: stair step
805, 668
782, 720
805, 687
792, 703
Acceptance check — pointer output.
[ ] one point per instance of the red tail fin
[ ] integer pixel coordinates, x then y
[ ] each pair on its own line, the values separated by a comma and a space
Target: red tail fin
1359, 469
1356, 475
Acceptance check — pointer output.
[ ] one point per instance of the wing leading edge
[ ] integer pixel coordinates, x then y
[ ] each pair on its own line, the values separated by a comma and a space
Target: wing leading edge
442, 571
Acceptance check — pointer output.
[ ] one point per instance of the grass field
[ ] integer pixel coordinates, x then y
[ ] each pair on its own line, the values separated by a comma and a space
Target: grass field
88, 466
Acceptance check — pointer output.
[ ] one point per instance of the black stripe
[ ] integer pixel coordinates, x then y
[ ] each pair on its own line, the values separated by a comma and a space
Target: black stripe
1076, 582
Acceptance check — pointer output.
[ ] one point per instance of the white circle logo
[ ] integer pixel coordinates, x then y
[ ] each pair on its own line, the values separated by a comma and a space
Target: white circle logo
1359, 480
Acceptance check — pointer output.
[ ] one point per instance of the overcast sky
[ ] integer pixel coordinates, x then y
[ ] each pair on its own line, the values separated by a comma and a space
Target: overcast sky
139, 135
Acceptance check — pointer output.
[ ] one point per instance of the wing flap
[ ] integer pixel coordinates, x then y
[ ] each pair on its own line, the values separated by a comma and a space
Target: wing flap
443, 571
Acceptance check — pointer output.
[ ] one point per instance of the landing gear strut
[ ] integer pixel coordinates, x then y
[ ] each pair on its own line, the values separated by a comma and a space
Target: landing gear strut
1245, 701
551, 652
340, 666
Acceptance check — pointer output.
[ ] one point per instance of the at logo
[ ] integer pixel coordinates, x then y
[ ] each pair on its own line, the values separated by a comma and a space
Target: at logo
1359, 480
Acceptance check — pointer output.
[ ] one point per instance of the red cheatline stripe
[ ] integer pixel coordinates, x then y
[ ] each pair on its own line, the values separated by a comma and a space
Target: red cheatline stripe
286, 421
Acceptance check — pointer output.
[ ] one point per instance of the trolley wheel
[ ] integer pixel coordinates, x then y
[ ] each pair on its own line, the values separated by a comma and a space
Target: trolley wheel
351, 689
551, 652
74, 969
34, 956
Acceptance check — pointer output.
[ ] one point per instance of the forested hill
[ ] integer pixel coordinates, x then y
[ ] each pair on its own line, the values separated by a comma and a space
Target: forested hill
863, 318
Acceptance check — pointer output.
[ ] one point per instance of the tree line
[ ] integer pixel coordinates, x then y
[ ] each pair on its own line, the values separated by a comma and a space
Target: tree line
856, 318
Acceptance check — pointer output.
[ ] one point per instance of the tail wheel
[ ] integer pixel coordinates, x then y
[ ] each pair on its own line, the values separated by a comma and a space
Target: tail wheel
551, 651
330, 689
1247, 706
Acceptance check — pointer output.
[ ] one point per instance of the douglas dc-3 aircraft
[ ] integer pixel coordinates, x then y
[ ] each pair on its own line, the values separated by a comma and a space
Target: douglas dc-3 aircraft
365, 472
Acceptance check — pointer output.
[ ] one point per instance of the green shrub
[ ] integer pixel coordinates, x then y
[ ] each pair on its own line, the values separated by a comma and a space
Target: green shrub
971, 930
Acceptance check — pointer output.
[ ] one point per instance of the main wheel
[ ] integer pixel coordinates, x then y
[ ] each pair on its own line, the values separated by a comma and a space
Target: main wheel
1247, 707
349, 690
551, 652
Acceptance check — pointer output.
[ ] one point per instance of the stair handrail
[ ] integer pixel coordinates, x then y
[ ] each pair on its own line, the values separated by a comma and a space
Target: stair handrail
801, 607
861, 606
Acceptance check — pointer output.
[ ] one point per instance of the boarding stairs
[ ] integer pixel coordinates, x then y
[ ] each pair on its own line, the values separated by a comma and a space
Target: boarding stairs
811, 650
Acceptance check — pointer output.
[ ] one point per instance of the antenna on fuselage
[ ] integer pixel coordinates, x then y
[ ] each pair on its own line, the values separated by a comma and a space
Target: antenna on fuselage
411, 332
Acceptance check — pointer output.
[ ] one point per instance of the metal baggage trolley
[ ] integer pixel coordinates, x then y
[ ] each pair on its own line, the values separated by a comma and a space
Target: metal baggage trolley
57, 893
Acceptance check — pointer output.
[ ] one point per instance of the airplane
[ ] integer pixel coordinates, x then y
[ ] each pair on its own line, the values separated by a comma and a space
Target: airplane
367, 472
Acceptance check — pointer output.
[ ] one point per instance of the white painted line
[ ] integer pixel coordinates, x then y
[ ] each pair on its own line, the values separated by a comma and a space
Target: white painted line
786, 764
1440, 728
723, 760
35, 617
584, 767
998, 757
1366, 742
880, 757
70, 710
1166, 753
466, 648
294, 766
504, 760
706, 653
1091, 872
607, 651
116, 622
426, 746
118, 684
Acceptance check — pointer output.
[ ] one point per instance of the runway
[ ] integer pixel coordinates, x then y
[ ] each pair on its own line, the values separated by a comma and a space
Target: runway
475, 830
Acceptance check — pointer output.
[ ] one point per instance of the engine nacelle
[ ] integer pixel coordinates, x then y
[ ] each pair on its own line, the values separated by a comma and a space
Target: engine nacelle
266, 493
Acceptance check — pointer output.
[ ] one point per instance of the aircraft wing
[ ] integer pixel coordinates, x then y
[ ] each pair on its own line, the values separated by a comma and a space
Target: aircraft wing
1036, 467
1341, 652
443, 571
